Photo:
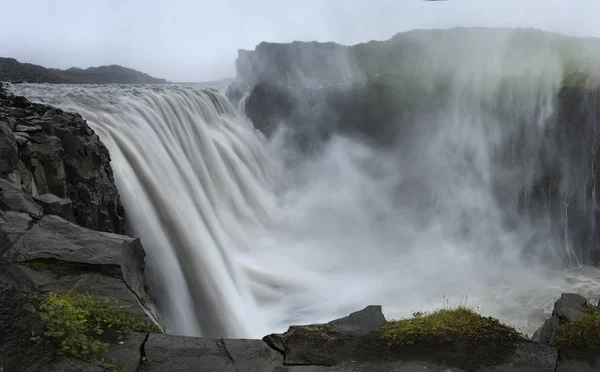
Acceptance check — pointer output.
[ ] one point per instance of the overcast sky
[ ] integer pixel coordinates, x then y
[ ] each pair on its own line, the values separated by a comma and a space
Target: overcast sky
197, 40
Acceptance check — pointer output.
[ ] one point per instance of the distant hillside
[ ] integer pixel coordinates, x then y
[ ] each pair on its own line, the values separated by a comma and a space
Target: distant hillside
13, 70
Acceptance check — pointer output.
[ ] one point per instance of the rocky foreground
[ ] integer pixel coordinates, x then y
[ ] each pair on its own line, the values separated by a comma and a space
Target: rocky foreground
73, 295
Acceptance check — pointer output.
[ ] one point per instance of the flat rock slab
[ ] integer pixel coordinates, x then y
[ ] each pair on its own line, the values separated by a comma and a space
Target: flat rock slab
97, 284
184, 354
53, 239
127, 352
13, 198
377, 367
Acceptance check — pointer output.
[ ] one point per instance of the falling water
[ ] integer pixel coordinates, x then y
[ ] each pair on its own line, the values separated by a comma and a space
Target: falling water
240, 245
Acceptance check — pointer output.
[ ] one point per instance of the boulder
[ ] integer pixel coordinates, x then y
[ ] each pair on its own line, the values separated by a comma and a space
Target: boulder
361, 322
183, 354
13, 198
544, 334
569, 307
52, 204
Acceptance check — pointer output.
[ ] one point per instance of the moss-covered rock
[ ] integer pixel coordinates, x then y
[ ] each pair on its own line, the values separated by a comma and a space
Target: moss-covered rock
83, 327
581, 336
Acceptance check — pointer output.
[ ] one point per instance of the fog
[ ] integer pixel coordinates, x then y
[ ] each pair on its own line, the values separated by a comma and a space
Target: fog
185, 40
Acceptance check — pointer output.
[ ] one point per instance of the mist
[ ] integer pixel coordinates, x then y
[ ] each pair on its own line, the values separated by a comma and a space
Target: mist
184, 40
239, 245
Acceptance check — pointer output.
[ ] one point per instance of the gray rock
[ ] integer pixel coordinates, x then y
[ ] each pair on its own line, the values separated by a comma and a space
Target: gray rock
364, 321
55, 238
63, 278
547, 330
13, 198
569, 307
8, 150
18, 324
566, 365
52, 204
22, 138
52, 238
275, 342
183, 354
528, 356
73, 365
45, 162
127, 352
406, 366
61, 155
28, 128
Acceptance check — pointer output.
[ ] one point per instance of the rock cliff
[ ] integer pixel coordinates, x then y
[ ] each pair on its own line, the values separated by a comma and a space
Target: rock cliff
58, 159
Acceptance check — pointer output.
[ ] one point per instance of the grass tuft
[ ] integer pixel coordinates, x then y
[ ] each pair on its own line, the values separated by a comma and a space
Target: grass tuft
583, 334
448, 325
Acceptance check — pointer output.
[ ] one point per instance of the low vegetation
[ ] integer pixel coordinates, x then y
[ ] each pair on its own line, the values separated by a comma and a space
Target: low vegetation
583, 334
449, 325
82, 326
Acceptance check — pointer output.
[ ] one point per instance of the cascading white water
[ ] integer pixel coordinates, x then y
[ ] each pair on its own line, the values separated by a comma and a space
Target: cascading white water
241, 246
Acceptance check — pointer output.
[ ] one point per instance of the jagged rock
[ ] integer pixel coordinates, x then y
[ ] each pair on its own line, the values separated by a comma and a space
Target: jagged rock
544, 334
275, 342
28, 128
52, 204
13, 198
183, 354
360, 322
58, 153
18, 324
22, 138
569, 307
8, 149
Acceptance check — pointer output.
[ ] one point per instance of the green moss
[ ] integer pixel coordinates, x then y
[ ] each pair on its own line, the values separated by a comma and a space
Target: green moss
448, 325
81, 326
583, 334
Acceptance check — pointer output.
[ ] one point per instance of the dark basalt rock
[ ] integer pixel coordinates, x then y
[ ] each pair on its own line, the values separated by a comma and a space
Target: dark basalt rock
370, 319
19, 323
568, 308
13, 198
48, 151
52, 204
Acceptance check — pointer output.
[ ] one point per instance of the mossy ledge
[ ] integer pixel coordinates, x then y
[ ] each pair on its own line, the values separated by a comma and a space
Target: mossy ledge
83, 327
451, 336
580, 338
460, 336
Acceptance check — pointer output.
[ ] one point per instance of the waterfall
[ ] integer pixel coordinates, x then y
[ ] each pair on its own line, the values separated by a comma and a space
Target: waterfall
196, 182
239, 245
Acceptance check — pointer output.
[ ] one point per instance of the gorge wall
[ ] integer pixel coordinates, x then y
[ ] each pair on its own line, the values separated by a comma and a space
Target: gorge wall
532, 94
